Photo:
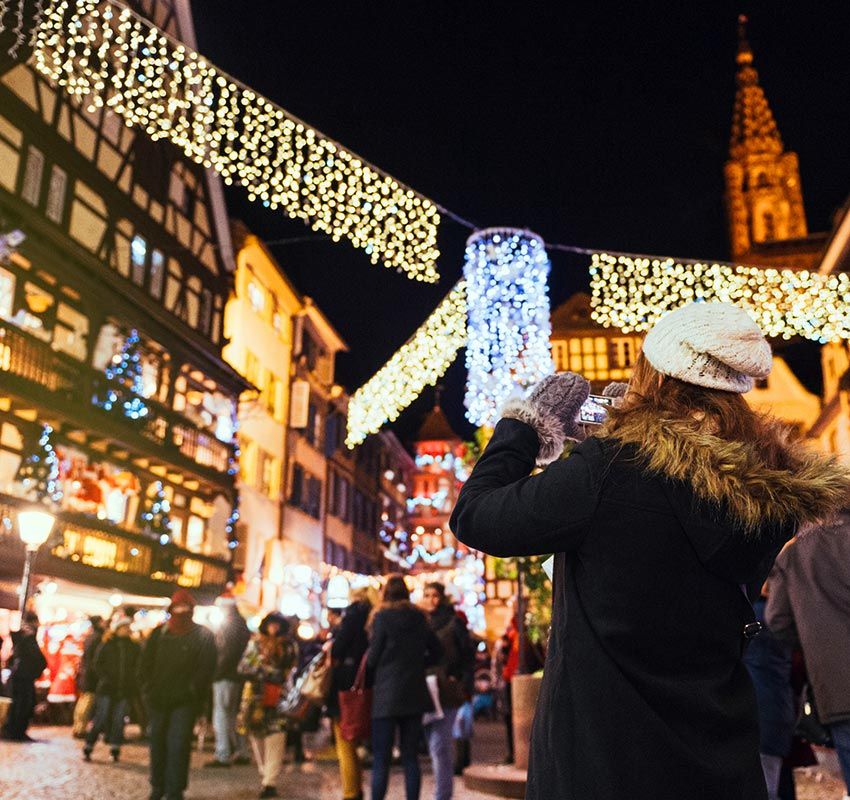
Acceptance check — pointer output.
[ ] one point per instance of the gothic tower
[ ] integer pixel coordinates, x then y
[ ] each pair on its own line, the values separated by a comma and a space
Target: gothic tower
764, 201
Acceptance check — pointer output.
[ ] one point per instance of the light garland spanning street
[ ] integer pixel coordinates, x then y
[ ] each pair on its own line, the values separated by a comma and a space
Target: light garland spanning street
115, 58
631, 292
420, 362
509, 325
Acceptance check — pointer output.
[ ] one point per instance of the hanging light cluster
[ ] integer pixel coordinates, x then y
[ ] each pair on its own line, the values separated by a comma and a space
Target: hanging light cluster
420, 362
509, 326
631, 292
115, 58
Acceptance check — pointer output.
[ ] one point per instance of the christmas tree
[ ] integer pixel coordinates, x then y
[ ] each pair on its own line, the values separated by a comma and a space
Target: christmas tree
157, 522
123, 386
39, 470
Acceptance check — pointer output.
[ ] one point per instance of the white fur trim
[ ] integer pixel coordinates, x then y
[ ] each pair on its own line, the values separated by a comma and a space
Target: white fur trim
548, 428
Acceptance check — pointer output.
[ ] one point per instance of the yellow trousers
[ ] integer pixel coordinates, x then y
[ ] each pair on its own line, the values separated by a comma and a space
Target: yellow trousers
350, 771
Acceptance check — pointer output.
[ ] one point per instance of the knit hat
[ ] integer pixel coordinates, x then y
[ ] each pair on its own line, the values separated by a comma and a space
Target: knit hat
181, 598
716, 345
119, 621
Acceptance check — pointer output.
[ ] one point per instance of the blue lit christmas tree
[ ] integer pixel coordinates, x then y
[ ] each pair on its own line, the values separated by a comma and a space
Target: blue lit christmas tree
123, 387
39, 470
155, 516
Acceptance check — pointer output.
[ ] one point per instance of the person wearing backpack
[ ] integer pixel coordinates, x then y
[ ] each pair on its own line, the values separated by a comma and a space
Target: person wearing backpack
454, 678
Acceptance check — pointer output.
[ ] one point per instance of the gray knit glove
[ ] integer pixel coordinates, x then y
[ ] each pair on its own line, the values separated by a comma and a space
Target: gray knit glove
617, 390
552, 409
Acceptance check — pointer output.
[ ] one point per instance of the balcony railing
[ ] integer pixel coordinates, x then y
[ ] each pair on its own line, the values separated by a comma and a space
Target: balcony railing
24, 356
88, 550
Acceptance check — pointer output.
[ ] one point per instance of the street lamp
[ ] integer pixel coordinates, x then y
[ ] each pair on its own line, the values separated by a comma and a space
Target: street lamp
34, 526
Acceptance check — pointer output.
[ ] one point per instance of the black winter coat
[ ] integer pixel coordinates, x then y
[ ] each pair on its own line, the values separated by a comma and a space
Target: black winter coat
87, 676
27, 661
350, 642
401, 646
458, 659
644, 691
116, 662
177, 670
231, 639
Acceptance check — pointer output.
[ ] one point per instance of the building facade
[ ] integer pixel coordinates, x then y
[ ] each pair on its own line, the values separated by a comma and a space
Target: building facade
121, 255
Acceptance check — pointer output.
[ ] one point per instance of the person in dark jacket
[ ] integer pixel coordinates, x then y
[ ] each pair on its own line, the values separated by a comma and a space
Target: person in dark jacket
454, 676
348, 645
656, 522
27, 664
231, 639
87, 678
115, 663
401, 646
768, 661
175, 673
809, 604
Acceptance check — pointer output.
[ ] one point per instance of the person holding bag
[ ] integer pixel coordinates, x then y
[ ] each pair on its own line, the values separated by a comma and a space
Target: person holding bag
401, 646
347, 649
266, 665
657, 522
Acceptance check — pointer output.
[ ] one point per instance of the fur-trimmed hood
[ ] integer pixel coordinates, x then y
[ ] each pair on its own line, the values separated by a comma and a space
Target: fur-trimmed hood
733, 474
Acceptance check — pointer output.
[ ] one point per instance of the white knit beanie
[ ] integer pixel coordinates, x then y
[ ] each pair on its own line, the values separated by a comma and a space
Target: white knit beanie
716, 345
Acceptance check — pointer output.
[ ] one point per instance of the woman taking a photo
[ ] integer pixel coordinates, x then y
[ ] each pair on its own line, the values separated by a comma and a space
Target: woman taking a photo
401, 646
684, 496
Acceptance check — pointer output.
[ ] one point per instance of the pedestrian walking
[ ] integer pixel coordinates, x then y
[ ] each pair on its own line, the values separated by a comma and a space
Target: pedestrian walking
175, 674
116, 662
768, 660
401, 646
656, 522
27, 663
347, 646
231, 639
87, 677
454, 673
266, 666
809, 604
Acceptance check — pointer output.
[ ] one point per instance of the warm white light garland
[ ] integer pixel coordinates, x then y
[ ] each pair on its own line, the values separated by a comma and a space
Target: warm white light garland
420, 362
509, 327
631, 292
115, 58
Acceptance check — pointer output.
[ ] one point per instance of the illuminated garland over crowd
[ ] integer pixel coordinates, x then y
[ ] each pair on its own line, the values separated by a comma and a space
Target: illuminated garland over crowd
115, 58
420, 362
509, 325
631, 292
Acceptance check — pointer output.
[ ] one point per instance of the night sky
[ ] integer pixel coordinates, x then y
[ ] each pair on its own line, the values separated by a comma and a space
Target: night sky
594, 124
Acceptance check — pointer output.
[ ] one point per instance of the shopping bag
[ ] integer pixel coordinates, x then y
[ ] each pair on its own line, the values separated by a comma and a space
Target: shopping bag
271, 694
355, 708
317, 679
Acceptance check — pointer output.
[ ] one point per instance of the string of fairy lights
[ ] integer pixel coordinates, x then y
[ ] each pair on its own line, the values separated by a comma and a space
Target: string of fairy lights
102, 51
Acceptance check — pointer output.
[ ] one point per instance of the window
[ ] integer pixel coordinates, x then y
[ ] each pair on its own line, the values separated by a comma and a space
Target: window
138, 256
314, 497
206, 311
623, 352
559, 356
157, 274
257, 296
338, 502
313, 430
31, 190
70, 334
268, 474
306, 492
56, 195
248, 461
7, 293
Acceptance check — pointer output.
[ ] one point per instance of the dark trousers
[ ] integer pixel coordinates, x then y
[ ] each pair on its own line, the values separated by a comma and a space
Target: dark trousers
170, 745
383, 737
109, 715
509, 721
21, 710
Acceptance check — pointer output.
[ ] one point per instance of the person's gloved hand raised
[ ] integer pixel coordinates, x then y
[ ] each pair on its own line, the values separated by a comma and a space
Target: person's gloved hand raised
552, 409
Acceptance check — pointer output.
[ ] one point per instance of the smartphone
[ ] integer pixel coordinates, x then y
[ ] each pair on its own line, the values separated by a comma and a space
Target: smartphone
594, 410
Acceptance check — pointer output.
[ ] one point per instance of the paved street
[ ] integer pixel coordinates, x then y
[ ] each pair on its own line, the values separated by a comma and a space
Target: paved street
52, 769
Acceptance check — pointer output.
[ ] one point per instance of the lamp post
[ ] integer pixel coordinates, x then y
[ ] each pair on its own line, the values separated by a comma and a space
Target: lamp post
34, 526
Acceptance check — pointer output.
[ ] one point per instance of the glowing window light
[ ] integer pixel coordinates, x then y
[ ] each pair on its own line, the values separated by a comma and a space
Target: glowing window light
119, 60
418, 363
631, 292
509, 326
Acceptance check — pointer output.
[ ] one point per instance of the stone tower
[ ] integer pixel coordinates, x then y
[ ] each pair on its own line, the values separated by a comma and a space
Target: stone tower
764, 200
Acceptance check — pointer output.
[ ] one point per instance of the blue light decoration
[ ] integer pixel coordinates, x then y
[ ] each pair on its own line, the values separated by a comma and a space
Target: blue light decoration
124, 388
39, 470
155, 516
508, 318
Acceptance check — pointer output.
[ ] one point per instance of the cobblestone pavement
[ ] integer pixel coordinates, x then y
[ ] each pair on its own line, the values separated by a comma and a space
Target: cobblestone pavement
52, 769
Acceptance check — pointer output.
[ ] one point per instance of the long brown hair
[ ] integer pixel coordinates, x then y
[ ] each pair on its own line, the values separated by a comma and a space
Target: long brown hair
723, 414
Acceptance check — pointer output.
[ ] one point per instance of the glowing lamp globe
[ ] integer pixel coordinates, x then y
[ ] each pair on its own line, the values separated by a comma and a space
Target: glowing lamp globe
34, 526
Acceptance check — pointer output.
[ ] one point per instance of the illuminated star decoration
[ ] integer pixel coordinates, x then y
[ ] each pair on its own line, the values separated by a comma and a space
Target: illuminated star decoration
117, 59
631, 292
508, 318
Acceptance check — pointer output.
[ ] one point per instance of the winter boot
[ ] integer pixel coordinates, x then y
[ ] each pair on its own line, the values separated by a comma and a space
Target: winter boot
116, 754
87, 753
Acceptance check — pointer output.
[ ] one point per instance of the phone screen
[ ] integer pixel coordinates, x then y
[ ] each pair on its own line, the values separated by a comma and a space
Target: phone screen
594, 410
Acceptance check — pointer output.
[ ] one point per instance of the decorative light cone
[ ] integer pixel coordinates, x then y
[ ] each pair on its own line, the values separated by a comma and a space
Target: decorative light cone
508, 349
34, 526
